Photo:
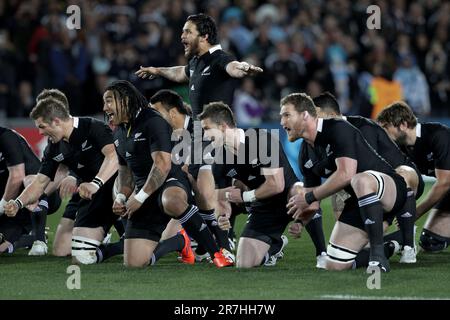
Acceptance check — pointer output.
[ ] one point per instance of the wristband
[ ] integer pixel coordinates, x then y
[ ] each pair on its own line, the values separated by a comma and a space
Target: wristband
2, 204
310, 198
19, 203
141, 196
98, 182
120, 197
249, 196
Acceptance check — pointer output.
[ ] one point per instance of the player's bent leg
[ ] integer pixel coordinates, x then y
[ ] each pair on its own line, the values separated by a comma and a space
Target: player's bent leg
138, 252
345, 243
435, 235
85, 242
172, 228
410, 177
251, 252
62, 244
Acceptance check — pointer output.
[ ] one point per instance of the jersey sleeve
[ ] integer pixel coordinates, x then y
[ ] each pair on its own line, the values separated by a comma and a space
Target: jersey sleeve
159, 135
101, 134
11, 146
269, 150
224, 60
441, 149
48, 165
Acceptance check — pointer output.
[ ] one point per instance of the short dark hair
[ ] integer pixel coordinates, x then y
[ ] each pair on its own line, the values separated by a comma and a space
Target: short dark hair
396, 113
301, 102
327, 101
49, 109
218, 112
55, 94
205, 26
169, 99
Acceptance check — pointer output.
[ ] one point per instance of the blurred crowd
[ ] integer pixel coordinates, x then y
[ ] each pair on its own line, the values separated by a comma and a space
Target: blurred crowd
303, 45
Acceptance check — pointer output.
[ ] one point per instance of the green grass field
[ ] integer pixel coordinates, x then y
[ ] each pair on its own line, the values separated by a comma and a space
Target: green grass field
294, 277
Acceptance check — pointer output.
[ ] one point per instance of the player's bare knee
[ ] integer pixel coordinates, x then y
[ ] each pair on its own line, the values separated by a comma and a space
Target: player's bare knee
174, 201
363, 183
409, 175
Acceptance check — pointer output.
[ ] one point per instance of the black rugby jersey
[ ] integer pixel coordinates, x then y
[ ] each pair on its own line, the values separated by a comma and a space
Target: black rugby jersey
337, 138
14, 150
135, 145
208, 79
258, 148
82, 153
377, 137
432, 148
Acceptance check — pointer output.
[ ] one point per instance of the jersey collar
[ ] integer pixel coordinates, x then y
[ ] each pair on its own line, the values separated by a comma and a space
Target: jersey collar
186, 122
319, 124
76, 121
419, 130
344, 118
215, 48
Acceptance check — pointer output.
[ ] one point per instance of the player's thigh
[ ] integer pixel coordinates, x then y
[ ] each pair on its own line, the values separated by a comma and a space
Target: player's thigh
97, 233
138, 252
250, 252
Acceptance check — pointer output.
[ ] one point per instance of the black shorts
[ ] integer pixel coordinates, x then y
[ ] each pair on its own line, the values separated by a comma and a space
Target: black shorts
150, 220
98, 211
444, 203
351, 215
420, 186
54, 202
14, 228
70, 212
266, 223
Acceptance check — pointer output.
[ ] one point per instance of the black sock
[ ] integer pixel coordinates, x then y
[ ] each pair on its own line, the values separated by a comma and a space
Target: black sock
26, 240
196, 227
211, 222
406, 218
394, 236
39, 219
275, 247
107, 251
200, 250
315, 230
176, 243
362, 258
372, 215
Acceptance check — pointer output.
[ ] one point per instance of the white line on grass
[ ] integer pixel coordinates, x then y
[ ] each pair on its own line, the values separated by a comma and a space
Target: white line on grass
354, 297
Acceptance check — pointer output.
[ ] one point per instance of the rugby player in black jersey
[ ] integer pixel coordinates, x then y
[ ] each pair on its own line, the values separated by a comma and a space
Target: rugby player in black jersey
179, 115
85, 146
144, 145
257, 160
18, 167
374, 185
211, 75
428, 145
327, 107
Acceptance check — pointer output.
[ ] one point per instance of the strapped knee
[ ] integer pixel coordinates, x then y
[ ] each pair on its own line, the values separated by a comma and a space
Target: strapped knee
340, 254
432, 242
84, 250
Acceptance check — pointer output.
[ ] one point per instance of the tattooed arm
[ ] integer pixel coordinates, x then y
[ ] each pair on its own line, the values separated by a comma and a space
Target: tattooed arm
158, 174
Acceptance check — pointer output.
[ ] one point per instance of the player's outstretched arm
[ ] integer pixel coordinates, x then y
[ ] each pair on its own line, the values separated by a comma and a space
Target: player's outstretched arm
238, 69
175, 74
14, 182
